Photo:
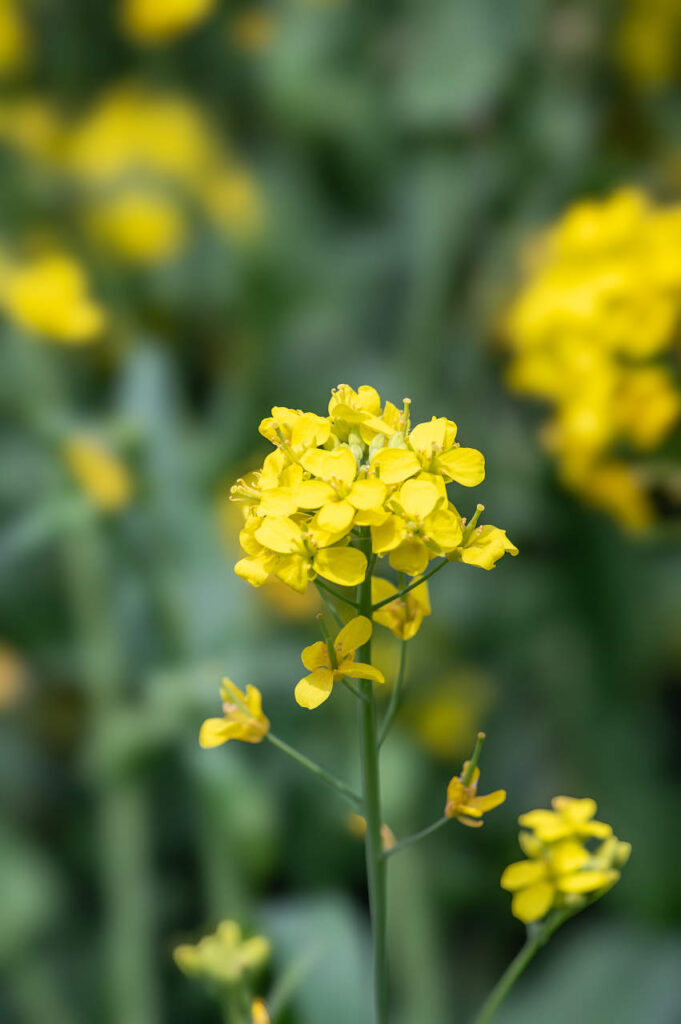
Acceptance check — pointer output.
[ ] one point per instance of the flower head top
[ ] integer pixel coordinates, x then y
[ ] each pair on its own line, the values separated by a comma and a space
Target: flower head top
562, 870
243, 717
224, 956
329, 662
463, 803
362, 466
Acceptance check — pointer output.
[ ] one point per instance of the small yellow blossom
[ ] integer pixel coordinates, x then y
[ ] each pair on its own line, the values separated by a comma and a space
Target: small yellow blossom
242, 719
431, 448
483, 547
259, 1014
569, 818
418, 528
328, 666
99, 472
138, 225
404, 615
158, 21
224, 956
464, 804
49, 295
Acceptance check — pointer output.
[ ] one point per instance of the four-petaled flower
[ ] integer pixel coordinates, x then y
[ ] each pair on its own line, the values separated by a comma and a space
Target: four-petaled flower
464, 804
569, 818
243, 717
328, 663
405, 614
223, 957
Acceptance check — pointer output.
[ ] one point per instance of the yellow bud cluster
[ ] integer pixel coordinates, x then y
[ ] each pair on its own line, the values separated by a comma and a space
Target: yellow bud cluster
589, 334
571, 858
223, 957
362, 469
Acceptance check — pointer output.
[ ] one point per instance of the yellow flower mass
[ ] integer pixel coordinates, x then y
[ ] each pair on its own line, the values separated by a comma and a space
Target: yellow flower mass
242, 718
591, 333
99, 473
562, 868
223, 957
48, 295
360, 469
139, 226
327, 663
158, 21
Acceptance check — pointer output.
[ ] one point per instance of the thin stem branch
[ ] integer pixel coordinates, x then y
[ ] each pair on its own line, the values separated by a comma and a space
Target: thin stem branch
332, 610
349, 794
475, 757
414, 583
395, 697
334, 593
353, 689
404, 843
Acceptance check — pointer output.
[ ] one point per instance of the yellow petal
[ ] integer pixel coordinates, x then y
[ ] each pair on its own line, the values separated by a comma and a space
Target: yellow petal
252, 570
533, 903
568, 856
314, 689
380, 589
530, 844
412, 557
575, 810
279, 501
336, 517
254, 700
345, 566
395, 464
488, 802
358, 670
388, 535
463, 465
313, 494
418, 498
353, 635
586, 881
216, 731
547, 825
597, 829
444, 529
485, 546
315, 656
293, 571
339, 464
280, 534
425, 438
367, 494
523, 873
309, 431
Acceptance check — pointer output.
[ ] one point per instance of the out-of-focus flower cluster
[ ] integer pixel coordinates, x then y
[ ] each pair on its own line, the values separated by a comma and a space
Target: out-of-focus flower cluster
571, 859
361, 468
648, 42
592, 332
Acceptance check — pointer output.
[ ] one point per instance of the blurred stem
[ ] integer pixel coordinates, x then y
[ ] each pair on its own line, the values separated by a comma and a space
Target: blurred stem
376, 878
346, 792
332, 610
401, 593
395, 696
404, 843
235, 1005
334, 593
35, 993
536, 938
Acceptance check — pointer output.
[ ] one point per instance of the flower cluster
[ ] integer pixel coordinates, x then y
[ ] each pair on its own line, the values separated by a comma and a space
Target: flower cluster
589, 334
158, 21
570, 857
48, 294
361, 469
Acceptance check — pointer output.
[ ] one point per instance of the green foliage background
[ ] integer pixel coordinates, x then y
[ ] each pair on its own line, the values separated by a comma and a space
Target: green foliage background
406, 152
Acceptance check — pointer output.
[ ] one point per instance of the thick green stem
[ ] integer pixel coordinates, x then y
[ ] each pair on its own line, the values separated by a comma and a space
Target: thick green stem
346, 792
235, 1006
412, 585
395, 696
404, 843
376, 878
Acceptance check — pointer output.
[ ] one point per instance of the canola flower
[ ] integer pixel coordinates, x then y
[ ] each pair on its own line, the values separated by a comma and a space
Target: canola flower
153, 22
330, 661
15, 40
141, 226
99, 473
48, 295
242, 718
463, 802
403, 616
648, 42
224, 956
591, 334
259, 1014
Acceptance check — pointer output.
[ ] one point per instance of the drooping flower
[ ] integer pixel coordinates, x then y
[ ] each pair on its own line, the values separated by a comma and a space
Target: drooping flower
327, 664
464, 804
404, 615
224, 956
242, 717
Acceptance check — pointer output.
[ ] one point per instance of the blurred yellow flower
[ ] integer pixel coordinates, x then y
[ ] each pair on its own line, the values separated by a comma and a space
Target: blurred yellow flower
328, 663
444, 716
464, 804
404, 615
569, 818
242, 718
98, 472
232, 199
259, 1014
224, 956
252, 29
357, 827
138, 225
158, 21
31, 125
49, 295
648, 42
15, 43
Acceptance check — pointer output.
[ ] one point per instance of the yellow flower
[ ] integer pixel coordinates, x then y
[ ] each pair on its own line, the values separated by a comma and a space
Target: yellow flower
431, 448
464, 804
15, 44
157, 21
554, 876
569, 818
233, 200
224, 956
419, 529
259, 1014
483, 547
404, 615
327, 666
306, 551
243, 718
138, 225
49, 295
100, 474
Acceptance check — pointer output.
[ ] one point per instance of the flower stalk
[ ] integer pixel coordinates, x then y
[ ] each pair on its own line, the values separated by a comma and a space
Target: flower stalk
346, 791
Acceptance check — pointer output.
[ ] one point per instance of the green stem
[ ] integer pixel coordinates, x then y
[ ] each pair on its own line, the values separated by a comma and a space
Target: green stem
376, 877
475, 757
235, 1008
535, 940
321, 773
395, 697
401, 593
332, 610
334, 593
352, 688
404, 843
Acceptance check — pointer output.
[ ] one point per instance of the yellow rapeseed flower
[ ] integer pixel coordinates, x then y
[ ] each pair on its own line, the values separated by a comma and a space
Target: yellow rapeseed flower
464, 804
569, 818
242, 718
15, 42
98, 472
328, 663
158, 21
138, 225
404, 615
259, 1014
48, 295
224, 956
